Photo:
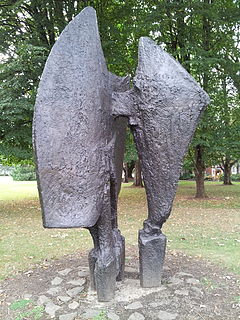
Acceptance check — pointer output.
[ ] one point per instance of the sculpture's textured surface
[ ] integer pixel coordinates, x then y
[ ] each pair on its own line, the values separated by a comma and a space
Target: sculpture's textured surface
168, 103
152, 248
80, 121
79, 146
74, 131
163, 110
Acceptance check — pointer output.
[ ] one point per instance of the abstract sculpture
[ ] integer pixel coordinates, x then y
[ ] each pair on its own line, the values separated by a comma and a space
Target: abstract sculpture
80, 121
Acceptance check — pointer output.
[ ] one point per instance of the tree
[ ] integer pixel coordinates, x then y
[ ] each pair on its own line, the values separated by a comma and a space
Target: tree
19, 79
227, 137
202, 35
130, 157
28, 31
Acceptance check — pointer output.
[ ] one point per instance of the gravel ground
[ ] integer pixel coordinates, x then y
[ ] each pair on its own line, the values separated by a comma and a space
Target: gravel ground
191, 289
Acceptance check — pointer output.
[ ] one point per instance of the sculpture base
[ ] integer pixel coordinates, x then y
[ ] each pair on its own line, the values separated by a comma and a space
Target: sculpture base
151, 258
106, 268
105, 279
119, 241
92, 259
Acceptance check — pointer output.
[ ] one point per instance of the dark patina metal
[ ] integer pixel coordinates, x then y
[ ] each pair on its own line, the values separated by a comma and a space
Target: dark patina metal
80, 121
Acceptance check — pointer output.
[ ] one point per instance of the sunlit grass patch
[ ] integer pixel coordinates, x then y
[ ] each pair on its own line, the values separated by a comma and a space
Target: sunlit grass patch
17, 190
24, 242
219, 195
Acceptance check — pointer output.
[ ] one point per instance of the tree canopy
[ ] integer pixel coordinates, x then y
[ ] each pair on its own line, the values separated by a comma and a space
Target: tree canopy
202, 35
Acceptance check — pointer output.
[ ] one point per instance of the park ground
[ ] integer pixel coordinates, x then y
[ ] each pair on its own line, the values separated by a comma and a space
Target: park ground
200, 232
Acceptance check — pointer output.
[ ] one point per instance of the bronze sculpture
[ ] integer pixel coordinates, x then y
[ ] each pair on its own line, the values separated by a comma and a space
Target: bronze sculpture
80, 121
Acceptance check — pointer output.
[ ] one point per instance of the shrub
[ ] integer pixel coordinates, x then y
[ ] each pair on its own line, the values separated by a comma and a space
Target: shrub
5, 170
235, 177
187, 176
23, 173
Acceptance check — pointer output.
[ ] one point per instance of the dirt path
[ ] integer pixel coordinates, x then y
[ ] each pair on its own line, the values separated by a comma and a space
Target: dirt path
192, 289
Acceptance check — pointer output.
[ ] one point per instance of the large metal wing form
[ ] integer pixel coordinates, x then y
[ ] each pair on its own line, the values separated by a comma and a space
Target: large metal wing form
163, 108
78, 144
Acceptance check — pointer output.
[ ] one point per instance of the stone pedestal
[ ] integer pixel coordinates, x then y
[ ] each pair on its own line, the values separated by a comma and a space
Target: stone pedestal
105, 279
107, 267
151, 258
92, 258
120, 255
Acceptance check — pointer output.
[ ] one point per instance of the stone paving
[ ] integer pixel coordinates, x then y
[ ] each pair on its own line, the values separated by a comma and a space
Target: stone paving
66, 296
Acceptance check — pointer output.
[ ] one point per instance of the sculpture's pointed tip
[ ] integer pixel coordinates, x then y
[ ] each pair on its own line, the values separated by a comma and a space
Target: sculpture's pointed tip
150, 57
87, 16
155, 63
87, 12
145, 40
146, 43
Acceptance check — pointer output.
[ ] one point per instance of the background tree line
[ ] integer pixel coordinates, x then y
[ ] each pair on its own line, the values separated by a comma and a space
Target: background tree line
203, 35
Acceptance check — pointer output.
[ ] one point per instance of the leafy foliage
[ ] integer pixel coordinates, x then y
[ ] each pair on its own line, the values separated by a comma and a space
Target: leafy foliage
19, 77
234, 177
23, 173
130, 149
202, 35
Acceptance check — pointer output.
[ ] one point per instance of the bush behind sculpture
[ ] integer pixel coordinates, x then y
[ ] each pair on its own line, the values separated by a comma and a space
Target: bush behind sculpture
23, 173
234, 177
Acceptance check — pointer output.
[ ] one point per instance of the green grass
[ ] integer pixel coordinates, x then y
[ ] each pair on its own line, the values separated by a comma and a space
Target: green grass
20, 304
23, 240
101, 316
204, 228
26, 309
17, 190
219, 196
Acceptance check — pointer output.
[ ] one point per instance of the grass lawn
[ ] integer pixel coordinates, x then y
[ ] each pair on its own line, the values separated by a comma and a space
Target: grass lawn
204, 228
17, 190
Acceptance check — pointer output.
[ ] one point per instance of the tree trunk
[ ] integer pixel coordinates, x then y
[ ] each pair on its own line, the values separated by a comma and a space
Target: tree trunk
227, 173
138, 175
199, 173
199, 161
125, 170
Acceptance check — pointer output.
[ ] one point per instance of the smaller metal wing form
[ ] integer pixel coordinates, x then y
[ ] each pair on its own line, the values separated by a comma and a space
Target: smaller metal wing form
163, 108
74, 133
